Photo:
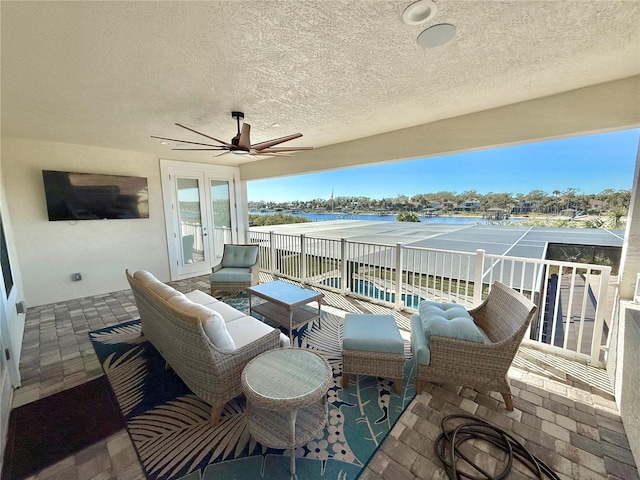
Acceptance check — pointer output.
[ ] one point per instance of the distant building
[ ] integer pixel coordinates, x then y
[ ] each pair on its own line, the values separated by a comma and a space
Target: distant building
469, 205
523, 207
597, 204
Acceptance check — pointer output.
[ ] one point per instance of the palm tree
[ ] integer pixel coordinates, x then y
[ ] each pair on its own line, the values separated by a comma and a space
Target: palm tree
556, 194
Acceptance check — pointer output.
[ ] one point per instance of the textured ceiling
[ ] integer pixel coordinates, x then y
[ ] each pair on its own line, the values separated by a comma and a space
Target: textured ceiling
111, 74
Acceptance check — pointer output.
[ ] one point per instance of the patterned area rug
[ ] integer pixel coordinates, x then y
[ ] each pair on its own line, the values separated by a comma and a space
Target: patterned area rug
170, 428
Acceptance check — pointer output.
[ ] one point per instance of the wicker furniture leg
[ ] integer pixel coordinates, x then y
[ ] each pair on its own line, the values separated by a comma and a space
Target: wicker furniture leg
508, 401
216, 413
292, 451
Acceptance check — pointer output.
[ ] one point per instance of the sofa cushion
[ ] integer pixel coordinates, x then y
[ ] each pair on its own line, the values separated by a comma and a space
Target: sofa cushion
198, 296
447, 320
241, 256
228, 313
164, 291
144, 277
212, 322
231, 275
215, 328
245, 330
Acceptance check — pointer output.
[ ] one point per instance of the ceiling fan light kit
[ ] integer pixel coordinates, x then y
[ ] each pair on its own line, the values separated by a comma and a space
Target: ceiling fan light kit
241, 143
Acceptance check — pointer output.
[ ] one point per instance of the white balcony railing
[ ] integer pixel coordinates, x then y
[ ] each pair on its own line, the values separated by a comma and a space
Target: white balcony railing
195, 233
574, 310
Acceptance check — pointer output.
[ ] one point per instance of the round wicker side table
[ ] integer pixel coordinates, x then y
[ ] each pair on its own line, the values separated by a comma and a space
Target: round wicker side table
286, 398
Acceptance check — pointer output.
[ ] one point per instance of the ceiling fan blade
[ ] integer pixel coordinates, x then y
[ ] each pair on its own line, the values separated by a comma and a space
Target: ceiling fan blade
184, 141
275, 141
284, 149
274, 154
204, 135
245, 142
214, 149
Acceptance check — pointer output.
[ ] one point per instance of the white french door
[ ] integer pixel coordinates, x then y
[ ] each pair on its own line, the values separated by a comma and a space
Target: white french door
200, 215
9, 321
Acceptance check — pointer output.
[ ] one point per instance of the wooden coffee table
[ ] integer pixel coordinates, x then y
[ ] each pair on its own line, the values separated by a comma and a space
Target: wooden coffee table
285, 304
286, 391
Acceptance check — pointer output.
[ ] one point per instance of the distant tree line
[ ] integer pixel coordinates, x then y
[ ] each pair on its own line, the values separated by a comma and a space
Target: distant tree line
536, 201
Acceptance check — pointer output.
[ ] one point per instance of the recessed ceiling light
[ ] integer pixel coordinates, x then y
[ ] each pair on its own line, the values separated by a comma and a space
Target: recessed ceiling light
419, 12
275, 125
436, 35
166, 143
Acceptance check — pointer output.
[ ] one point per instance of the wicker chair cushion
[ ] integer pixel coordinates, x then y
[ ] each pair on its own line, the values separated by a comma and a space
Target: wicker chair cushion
212, 322
232, 275
447, 320
239, 256
372, 333
419, 341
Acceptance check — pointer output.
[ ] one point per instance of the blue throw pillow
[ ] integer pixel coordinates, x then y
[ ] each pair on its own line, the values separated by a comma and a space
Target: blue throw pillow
448, 320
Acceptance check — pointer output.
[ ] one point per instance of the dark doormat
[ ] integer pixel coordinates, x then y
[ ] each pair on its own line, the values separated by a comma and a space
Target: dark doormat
46, 431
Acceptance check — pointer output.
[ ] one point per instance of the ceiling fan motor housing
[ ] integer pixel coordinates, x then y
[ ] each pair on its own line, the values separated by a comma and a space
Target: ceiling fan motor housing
238, 116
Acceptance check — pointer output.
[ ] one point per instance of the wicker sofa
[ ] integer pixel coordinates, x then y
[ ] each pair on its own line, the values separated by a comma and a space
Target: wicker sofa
205, 341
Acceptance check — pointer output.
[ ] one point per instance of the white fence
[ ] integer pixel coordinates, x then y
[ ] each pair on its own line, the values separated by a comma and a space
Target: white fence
573, 311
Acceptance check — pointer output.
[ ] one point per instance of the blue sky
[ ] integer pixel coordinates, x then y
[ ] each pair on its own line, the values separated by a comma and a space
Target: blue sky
589, 164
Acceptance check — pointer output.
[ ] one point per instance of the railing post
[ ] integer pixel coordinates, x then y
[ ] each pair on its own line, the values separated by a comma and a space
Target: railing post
272, 251
303, 258
398, 285
343, 266
599, 320
477, 278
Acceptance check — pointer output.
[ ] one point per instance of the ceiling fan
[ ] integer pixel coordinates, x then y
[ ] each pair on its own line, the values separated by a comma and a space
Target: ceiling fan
241, 143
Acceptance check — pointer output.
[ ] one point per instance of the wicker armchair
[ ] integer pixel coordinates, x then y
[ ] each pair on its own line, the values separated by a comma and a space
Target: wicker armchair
504, 317
239, 268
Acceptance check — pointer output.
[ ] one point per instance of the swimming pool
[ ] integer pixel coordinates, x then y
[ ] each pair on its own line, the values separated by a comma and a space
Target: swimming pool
368, 289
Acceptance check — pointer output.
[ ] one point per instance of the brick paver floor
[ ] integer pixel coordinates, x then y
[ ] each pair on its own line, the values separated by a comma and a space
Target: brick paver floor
564, 410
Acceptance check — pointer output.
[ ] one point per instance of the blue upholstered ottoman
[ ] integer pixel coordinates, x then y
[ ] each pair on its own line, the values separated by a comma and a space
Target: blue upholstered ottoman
372, 345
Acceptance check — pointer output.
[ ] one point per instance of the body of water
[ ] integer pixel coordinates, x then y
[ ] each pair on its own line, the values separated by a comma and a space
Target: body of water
320, 217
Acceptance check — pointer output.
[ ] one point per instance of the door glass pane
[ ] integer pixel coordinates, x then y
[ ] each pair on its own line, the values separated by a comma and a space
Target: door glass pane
221, 216
190, 219
4, 260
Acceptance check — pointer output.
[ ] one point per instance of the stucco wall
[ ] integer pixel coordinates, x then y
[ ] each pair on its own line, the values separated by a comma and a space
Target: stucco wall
624, 370
631, 249
49, 252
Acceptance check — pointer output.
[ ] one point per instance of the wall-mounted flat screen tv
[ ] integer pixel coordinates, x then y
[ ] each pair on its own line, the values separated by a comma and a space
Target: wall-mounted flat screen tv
94, 196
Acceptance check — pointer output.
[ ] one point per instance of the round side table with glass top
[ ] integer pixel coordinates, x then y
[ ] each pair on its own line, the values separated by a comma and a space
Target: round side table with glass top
286, 391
